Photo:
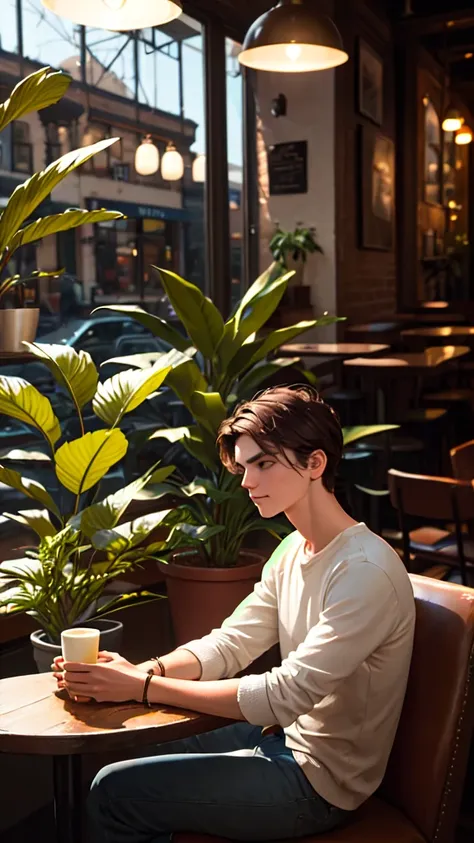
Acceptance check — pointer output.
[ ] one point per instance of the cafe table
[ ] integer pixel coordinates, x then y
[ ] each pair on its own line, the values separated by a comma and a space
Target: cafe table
36, 719
332, 349
382, 371
438, 335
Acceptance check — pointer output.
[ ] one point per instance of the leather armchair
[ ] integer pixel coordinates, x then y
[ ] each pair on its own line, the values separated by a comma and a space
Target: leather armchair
418, 800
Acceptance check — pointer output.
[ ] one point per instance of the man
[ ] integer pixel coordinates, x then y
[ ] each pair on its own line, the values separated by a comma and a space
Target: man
339, 602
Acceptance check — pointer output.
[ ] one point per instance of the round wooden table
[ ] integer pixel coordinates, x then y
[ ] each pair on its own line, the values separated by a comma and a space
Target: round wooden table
35, 719
332, 349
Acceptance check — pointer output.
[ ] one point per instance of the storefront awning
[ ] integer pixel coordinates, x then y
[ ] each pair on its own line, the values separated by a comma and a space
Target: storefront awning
140, 211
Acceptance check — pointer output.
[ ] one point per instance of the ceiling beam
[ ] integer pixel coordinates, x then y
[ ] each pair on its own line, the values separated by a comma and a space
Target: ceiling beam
417, 25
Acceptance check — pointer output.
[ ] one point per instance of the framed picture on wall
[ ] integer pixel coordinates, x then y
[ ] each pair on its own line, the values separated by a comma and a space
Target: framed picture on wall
377, 211
370, 83
432, 154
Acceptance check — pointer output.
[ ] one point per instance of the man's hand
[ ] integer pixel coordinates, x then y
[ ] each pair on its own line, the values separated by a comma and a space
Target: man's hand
112, 679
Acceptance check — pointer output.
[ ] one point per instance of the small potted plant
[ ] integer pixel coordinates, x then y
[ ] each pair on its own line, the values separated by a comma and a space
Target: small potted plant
19, 321
291, 249
63, 581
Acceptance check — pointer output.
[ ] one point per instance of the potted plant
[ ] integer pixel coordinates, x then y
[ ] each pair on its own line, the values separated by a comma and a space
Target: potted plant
205, 583
37, 91
81, 547
291, 249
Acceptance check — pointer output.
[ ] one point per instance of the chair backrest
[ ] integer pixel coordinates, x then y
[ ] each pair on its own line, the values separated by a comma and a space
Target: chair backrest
426, 770
437, 498
462, 461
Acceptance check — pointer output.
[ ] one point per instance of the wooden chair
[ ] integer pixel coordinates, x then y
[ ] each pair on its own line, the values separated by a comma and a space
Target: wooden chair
436, 499
418, 801
462, 461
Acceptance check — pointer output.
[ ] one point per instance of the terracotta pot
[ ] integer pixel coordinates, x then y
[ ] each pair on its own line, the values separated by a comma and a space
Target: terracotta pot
111, 633
200, 599
17, 325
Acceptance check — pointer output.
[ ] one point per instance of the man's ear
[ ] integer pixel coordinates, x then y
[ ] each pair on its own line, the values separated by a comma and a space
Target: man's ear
317, 464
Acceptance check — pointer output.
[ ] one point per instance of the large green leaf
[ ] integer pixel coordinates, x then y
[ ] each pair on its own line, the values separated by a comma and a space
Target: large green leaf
19, 455
185, 380
191, 534
27, 196
192, 439
200, 317
28, 487
80, 464
16, 280
73, 370
129, 535
208, 409
125, 391
72, 218
123, 601
36, 91
258, 311
261, 371
270, 274
246, 354
230, 343
362, 431
158, 327
203, 486
22, 401
172, 434
108, 512
277, 338
36, 519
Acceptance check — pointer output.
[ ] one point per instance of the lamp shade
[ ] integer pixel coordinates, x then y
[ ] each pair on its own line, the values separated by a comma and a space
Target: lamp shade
119, 15
453, 120
292, 38
172, 164
147, 158
199, 168
463, 136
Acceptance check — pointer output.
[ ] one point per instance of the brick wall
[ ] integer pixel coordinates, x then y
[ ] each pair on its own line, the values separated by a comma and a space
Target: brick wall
366, 278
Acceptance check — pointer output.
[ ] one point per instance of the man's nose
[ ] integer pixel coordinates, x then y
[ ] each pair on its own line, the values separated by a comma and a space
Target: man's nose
247, 481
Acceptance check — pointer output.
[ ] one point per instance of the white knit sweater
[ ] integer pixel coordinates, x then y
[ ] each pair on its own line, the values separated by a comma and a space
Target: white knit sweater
344, 619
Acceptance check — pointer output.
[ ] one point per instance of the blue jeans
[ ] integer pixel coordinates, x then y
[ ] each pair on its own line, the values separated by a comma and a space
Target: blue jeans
231, 782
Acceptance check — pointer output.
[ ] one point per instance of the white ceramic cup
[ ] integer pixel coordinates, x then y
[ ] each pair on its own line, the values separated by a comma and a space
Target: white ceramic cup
80, 644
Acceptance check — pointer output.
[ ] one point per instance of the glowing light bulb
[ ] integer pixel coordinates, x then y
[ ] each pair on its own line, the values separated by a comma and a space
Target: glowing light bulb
293, 51
114, 5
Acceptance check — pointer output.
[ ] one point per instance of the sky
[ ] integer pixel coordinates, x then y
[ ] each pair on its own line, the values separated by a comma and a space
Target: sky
52, 40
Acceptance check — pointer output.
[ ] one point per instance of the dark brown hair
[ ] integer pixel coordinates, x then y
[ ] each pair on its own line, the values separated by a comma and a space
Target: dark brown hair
292, 417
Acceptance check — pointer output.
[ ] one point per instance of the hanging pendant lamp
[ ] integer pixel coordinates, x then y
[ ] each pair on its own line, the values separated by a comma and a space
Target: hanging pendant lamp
453, 120
147, 157
463, 136
117, 15
172, 164
293, 38
199, 168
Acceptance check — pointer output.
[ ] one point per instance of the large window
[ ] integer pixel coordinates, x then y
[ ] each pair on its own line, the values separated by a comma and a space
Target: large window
152, 82
110, 62
235, 159
8, 30
47, 38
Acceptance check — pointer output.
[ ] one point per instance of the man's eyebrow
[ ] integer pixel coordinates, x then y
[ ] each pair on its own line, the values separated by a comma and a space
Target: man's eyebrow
254, 458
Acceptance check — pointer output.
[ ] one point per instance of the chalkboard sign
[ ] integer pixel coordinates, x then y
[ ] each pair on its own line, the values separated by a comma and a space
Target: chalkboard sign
288, 168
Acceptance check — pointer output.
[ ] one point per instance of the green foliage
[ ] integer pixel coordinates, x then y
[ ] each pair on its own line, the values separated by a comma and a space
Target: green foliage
297, 244
62, 581
230, 366
41, 89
